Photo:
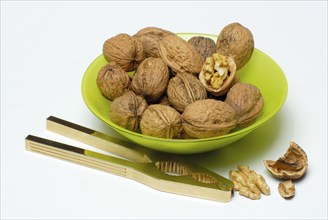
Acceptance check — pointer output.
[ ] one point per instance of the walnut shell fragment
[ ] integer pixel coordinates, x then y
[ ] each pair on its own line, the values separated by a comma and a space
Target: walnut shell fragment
184, 89
286, 189
126, 110
237, 42
125, 50
161, 121
112, 80
247, 100
292, 165
204, 45
208, 118
151, 79
150, 36
179, 55
218, 74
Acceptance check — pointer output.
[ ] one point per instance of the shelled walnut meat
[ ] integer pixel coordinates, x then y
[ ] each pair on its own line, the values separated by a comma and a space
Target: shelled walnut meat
184, 89
204, 45
247, 100
249, 183
218, 74
150, 36
161, 121
112, 80
208, 118
151, 79
125, 50
236, 41
126, 110
179, 55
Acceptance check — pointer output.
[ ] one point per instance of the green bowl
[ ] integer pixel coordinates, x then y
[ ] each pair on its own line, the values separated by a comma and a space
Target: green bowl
261, 71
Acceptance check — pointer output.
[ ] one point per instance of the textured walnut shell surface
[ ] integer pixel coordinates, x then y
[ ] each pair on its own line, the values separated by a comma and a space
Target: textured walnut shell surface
204, 45
161, 121
208, 118
112, 80
150, 36
126, 110
179, 55
247, 100
125, 50
237, 42
184, 89
228, 82
151, 79
292, 165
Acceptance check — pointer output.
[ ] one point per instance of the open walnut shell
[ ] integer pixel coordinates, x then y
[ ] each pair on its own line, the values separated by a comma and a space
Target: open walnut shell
292, 165
222, 85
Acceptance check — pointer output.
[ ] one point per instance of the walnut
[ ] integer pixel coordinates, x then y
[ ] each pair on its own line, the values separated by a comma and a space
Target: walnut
247, 100
112, 80
292, 165
204, 45
286, 189
125, 50
151, 79
184, 89
161, 121
208, 118
218, 74
179, 55
150, 36
237, 42
248, 182
126, 110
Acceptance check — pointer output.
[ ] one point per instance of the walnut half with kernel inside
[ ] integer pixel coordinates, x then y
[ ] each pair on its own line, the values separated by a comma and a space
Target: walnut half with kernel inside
218, 74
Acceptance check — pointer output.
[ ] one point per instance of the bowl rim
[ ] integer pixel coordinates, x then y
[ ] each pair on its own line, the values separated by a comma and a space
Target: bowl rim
247, 129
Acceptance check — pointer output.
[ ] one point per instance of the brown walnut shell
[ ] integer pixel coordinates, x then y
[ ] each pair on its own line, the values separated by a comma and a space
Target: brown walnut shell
126, 110
125, 50
247, 100
161, 121
184, 89
227, 83
204, 45
150, 36
208, 118
237, 42
179, 55
151, 79
292, 165
112, 80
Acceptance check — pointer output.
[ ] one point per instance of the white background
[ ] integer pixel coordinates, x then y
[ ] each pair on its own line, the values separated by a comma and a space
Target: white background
45, 50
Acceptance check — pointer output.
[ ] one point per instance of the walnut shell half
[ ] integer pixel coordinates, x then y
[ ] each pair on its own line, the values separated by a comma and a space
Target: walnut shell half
292, 165
208, 118
221, 85
179, 55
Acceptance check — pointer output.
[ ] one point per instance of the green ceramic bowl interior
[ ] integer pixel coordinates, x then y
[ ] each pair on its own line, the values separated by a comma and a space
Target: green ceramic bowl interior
261, 71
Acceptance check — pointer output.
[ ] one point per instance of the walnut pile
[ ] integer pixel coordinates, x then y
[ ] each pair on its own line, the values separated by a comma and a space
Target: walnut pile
165, 86
249, 183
